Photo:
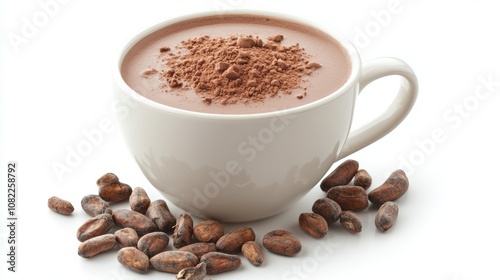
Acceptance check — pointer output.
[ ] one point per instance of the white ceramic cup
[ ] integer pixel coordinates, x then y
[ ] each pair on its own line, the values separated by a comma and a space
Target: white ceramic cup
237, 168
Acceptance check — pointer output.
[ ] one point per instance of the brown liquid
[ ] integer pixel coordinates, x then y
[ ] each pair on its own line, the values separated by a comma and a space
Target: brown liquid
334, 72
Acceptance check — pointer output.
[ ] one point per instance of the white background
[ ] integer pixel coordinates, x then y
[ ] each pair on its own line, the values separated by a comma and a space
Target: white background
56, 86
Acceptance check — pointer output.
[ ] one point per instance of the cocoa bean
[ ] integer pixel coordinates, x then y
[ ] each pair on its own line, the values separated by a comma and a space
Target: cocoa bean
96, 245
199, 249
108, 178
60, 205
313, 224
208, 231
127, 237
173, 261
386, 216
111, 189
133, 259
352, 198
153, 243
139, 200
232, 241
282, 242
341, 175
350, 221
363, 179
183, 231
159, 212
393, 188
95, 226
252, 251
328, 209
115, 192
193, 273
94, 205
218, 262
128, 218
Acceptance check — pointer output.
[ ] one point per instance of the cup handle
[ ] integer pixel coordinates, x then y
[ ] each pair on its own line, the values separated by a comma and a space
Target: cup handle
395, 113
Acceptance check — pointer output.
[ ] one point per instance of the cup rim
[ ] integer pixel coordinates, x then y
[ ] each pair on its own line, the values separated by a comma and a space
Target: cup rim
341, 39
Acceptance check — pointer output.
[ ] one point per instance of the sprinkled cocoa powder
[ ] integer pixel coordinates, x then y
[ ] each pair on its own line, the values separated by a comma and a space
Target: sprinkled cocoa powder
236, 69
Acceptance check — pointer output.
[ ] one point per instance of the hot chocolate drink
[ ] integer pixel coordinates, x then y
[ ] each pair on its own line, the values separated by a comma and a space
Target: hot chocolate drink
236, 64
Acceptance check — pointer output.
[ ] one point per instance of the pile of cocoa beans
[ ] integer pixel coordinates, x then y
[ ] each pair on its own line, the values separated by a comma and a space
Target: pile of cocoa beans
142, 232
343, 200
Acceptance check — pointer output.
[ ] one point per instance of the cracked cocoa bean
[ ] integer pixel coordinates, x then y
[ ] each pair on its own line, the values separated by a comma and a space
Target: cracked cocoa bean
133, 259
94, 205
282, 242
208, 231
218, 262
60, 205
95, 226
96, 245
139, 200
153, 243
349, 197
159, 212
183, 231
313, 224
139, 222
393, 188
197, 272
386, 216
232, 241
173, 261
341, 175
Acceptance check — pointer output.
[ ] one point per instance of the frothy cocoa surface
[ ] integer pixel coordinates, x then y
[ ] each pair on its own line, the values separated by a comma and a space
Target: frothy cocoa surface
150, 65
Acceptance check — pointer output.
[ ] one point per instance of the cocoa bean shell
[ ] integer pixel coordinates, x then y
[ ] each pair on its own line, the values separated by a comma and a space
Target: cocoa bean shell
197, 272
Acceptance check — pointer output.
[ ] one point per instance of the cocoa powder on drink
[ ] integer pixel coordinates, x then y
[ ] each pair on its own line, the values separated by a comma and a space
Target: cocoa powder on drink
236, 69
